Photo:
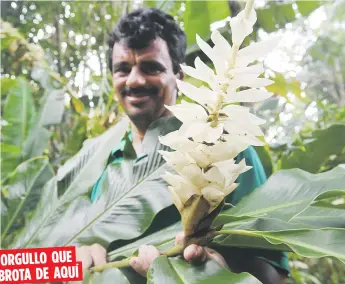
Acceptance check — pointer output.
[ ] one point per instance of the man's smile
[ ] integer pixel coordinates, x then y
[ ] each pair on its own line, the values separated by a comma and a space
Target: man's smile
138, 98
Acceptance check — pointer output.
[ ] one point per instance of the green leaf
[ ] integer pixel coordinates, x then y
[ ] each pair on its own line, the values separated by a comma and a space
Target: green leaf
276, 15
6, 85
77, 136
20, 115
321, 217
265, 158
37, 142
28, 235
287, 193
22, 192
309, 243
306, 7
7, 148
284, 14
164, 239
199, 15
266, 19
282, 86
318, 151
106, 275
77, 104
53, 108
176, 270
73, 179
129, 200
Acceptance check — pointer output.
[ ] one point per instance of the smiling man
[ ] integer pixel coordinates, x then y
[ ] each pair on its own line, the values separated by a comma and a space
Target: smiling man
146, 49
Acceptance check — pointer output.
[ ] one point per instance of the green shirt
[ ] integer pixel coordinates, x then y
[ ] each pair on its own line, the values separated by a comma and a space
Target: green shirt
248, 181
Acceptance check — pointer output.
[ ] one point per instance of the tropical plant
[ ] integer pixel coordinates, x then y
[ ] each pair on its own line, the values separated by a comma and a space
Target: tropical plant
42, 216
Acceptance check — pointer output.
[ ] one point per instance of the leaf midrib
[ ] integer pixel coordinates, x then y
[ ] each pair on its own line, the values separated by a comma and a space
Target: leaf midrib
114, 204
19, 208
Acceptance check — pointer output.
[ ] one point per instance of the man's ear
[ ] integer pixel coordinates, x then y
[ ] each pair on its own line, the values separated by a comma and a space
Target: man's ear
180, 75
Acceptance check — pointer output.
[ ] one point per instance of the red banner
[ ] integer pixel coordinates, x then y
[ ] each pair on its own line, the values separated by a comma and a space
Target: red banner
57, 264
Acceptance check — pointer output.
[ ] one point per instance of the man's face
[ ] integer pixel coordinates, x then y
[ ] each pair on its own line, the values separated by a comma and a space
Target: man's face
144, 80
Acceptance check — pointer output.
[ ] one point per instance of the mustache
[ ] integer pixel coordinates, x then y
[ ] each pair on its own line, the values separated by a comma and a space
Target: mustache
124, 91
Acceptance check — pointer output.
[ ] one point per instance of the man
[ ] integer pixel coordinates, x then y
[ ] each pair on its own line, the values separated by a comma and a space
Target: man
146, 49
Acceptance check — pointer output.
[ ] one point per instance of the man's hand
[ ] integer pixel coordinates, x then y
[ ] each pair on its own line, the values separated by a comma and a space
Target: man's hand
91, 255
147, 254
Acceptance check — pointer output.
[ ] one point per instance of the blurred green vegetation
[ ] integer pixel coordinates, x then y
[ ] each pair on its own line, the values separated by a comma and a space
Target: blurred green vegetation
56, 91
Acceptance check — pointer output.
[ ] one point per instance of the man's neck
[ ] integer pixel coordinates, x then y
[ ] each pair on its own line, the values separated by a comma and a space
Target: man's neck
139, 130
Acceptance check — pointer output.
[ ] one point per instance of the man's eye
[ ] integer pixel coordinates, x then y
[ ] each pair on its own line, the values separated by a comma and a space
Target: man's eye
152, 69
123, 70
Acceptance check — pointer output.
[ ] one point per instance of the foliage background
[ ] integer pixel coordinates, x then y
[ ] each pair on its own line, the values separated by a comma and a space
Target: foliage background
56, 90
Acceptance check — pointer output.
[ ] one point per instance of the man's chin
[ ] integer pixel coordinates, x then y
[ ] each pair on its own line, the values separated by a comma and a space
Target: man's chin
140, 115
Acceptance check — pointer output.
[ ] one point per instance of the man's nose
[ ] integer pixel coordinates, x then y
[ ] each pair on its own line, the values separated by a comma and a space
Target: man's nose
135, 78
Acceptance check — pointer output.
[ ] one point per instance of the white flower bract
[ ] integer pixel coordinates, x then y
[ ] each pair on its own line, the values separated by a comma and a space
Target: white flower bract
216, 128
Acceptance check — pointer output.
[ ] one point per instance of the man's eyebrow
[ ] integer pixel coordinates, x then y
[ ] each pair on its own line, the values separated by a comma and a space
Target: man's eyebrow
153, 63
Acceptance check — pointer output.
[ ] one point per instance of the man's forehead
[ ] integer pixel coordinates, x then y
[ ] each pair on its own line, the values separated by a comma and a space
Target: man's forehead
157, 49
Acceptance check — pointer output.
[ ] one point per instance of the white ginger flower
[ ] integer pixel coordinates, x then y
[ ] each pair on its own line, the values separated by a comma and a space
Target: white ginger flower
196, 122
215, 129
177, 142
205, 155
224, 173
202, 95
221, 56
242, 26
213, 185
248, 96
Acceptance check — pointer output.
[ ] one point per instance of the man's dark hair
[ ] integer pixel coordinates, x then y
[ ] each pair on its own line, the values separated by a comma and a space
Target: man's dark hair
138, 28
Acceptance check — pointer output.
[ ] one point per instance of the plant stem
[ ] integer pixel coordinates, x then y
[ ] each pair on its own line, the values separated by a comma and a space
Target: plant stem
116, 264
248, 8
175, 250
235, 232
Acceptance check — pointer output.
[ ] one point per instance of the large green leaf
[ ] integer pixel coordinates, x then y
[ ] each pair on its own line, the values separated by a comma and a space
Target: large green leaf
306, 242
20, 115
37, 142
302, 234
176, 270
131, 197
199, 15
164, 239
324, 143
53, 108
73, 179
22, 193
287, 193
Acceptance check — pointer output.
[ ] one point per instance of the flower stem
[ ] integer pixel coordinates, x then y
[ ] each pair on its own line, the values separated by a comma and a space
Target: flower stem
235, 232
175, 250
248, 8
116, 264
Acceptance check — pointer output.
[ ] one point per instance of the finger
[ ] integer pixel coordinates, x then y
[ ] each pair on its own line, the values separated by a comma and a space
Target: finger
194, 253
179, 238
98, 254
137, 265
147, 254
83, 255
